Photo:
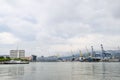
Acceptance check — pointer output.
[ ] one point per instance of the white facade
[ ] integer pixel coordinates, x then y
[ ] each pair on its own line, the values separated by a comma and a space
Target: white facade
21, 53
17, 53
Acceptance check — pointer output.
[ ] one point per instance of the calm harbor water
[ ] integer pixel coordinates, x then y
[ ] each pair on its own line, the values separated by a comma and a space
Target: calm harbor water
61, 71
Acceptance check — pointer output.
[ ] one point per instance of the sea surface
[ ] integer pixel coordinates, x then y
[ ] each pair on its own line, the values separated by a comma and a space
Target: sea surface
61, 71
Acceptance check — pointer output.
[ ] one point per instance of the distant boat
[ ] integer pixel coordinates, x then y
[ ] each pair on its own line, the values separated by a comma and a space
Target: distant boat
92, 59
16, 62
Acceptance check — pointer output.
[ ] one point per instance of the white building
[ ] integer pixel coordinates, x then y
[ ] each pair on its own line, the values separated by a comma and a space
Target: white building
17, 53
21, 53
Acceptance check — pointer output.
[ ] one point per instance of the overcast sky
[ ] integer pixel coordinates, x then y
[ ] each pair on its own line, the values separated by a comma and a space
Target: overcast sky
46, 27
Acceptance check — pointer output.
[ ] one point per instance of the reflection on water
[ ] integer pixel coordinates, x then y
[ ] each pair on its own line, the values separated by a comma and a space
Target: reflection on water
61, 71
16, 71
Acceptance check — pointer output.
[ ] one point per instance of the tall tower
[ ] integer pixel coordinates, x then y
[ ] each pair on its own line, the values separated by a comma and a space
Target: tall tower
92, 54
103, 52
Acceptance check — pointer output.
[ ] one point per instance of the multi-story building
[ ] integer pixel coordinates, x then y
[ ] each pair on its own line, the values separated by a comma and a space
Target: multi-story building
21, 53
17, 53
14, 53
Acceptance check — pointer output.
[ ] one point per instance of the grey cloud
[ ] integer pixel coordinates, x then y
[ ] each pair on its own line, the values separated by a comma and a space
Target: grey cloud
65, 18
53, 22
30, 19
